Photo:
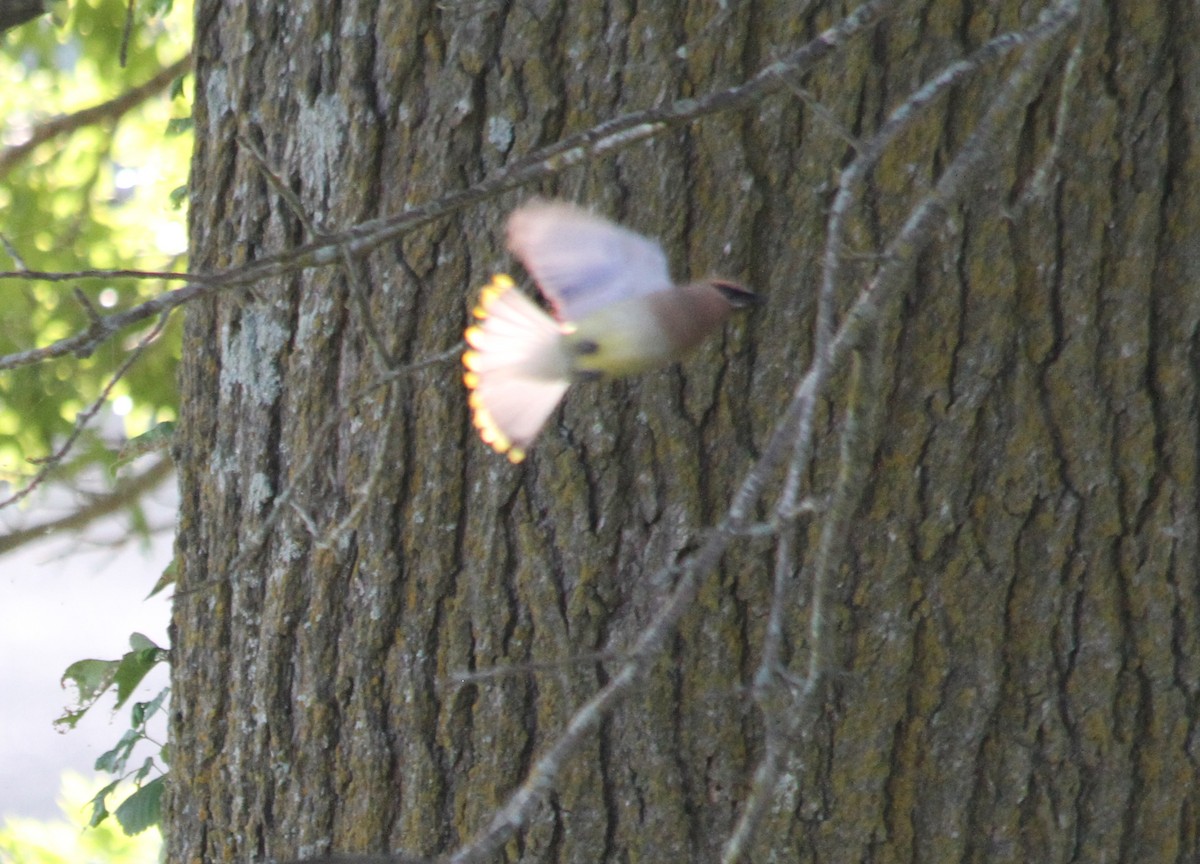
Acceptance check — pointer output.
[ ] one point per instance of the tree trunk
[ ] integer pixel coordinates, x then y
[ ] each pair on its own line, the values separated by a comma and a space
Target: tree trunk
381, 626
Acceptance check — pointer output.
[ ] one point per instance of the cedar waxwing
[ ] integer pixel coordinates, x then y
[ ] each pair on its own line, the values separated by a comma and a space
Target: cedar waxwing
617, 313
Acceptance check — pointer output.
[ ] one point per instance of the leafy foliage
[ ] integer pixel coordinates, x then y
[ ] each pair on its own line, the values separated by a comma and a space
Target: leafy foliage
81, 191
95, 137
94, 678
33, 841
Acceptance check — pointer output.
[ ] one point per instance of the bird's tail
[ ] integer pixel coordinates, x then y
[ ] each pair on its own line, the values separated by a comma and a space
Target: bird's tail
517, 368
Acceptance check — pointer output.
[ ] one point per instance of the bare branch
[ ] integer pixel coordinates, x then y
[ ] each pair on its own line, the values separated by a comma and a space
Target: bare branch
83, 418
88, 308
850, 185
126, 33
362, 238
126, 493
12, 251
783, 717
1039, 186
788, 704
276, 182
915, 234
113, 109
14, 13
511, 670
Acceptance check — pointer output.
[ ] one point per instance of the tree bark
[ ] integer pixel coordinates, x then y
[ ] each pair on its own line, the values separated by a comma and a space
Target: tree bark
380, 625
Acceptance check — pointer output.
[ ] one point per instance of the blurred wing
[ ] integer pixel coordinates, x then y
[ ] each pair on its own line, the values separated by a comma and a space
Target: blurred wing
582, 262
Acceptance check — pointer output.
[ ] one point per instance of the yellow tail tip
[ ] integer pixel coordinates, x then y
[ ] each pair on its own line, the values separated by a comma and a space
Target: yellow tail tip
490, 433
500, 283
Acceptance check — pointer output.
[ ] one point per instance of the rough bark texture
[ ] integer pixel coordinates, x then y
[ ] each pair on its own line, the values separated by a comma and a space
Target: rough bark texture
1017, 620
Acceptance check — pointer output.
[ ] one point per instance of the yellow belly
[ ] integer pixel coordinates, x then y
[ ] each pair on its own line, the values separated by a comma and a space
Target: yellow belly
622, 339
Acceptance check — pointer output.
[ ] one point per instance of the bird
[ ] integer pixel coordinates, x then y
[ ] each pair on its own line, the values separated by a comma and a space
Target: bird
616, 312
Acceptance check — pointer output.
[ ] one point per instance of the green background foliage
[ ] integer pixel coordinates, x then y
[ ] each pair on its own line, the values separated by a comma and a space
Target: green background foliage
98, 195
65, 841
94, 148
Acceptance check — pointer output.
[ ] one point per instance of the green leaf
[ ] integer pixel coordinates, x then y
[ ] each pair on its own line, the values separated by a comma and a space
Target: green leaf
69, 719
141, 773
180, 125
134, 667
99, 808
113, 761
167, 578
94, 196
142, 809
91, 678
140, 642
149, 709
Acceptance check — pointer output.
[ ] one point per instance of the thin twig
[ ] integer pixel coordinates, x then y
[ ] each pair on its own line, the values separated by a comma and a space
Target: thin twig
113, 109
88, 309
382, 443
915, 234
282, 502
362, 238
852, 179
849, 190
12, 251
358, 291
786, 710
83, 418
281, 189
126, 33
1039, 185
127, 492
26, 275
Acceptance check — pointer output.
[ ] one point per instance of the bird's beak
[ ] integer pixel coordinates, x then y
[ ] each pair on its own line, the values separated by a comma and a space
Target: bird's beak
736, 295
